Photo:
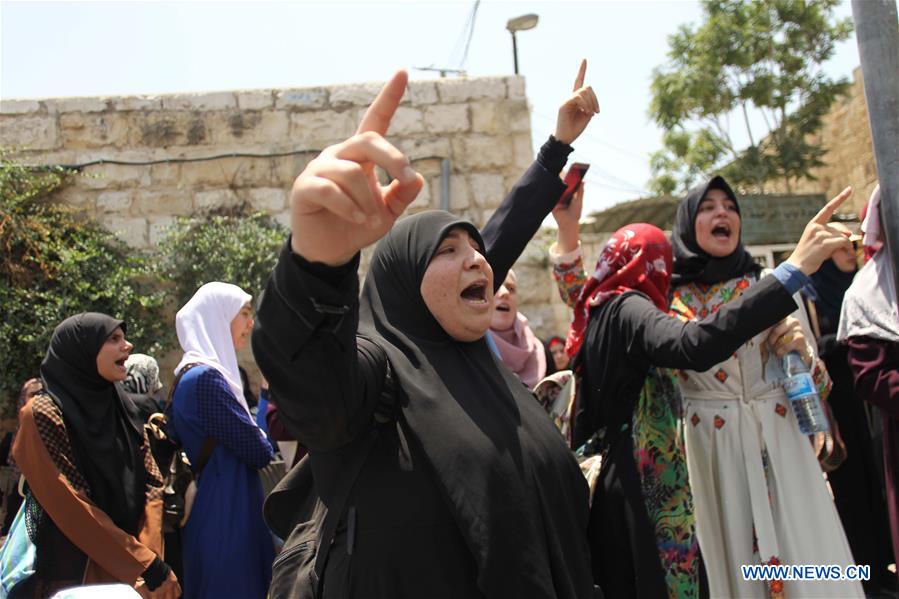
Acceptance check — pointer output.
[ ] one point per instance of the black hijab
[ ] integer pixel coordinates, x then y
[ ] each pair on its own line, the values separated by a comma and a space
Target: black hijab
830, 285
692, 263
506, 473
103, 425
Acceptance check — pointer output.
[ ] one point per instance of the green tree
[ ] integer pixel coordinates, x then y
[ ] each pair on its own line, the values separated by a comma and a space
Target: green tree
232, 245
55, 262
748, 57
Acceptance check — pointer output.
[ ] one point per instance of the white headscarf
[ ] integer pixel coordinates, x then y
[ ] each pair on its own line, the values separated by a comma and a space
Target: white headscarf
204, 331
869, 307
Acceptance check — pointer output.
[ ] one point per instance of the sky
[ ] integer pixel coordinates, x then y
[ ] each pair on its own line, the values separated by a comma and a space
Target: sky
63, 49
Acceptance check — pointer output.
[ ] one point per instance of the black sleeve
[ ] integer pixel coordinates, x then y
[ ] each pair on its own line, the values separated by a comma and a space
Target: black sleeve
326, 380
700, 344
519, 216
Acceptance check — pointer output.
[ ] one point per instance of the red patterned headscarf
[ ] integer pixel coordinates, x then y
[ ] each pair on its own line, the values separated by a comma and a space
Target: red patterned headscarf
636, 258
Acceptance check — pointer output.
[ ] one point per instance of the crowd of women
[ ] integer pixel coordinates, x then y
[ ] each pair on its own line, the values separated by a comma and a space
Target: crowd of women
431, 470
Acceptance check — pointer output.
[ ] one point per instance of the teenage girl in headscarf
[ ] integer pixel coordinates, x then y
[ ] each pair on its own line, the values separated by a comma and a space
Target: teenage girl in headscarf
94, 501
642, 527
869, 326
757, 485
228, 551
467, 489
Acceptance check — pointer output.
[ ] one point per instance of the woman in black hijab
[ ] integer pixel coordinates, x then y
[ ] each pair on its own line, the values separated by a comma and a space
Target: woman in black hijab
466, 488
94, 499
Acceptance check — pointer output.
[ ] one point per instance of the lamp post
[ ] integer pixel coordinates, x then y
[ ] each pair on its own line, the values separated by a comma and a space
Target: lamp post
522, 23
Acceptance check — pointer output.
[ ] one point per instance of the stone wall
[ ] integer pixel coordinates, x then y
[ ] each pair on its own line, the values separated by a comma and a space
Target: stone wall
846, 135
482, 125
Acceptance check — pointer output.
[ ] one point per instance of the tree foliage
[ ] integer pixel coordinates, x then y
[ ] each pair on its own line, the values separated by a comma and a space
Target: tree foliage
233, 246
747, 58
55, 262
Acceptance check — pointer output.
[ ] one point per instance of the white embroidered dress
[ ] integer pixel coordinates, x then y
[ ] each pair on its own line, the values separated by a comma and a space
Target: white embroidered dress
759, 494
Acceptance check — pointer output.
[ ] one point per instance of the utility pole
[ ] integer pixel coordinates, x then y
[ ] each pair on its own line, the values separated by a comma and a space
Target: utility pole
877, 32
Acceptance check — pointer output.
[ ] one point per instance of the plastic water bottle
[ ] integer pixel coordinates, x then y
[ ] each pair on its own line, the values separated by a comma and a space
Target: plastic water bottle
803, 395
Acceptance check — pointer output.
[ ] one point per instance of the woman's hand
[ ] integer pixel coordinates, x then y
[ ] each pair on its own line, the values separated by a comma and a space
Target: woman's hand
788, 336
337, 204
568, 219
819, 241
576, 112
169, 589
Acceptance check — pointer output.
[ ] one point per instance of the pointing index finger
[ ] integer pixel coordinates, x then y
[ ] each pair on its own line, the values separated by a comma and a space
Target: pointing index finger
377, 117
582, 71
825, 213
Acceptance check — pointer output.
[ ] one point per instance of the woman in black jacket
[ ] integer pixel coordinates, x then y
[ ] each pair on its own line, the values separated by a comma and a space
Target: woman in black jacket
641, 527
466, 490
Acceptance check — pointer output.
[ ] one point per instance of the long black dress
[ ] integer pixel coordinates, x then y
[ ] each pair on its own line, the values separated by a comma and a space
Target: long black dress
418, 523
625, 337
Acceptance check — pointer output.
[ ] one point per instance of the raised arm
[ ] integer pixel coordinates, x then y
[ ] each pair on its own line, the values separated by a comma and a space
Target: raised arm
519, 216
305, 334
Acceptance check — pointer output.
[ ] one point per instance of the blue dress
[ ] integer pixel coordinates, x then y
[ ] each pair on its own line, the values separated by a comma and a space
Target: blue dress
228, 550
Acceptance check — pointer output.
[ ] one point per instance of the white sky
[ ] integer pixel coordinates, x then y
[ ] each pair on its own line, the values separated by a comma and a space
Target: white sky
57, 49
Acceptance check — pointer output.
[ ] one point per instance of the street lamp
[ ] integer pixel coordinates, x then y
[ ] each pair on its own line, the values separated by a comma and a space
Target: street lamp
522, 23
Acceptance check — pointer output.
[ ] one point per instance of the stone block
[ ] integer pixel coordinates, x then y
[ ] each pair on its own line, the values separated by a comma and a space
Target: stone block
207, 101
518, 116
463, 90
114, 201
481, 152
358, 94
423, 200
486, 117
421, 148
165, 175
29, 132
320, 129
255, 100
522, 150
19, 106
487, 189
63, 105
302, 99
130, 103
226, 172
270, 200
164, 129
160, 227
132, 231
446, 118
94, 130
287, 168
516, 88
422, 92
406, 121
116, 176
243, 127
460, 194
215, 198
165, 202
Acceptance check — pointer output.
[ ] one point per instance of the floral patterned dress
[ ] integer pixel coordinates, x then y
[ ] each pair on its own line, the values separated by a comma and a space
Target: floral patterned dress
759, 494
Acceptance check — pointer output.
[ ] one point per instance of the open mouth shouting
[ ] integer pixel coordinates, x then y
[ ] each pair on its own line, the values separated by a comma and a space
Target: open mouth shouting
721, 232
475, 295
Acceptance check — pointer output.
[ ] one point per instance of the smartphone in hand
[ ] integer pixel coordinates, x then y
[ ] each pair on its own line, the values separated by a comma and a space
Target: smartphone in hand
574, 178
